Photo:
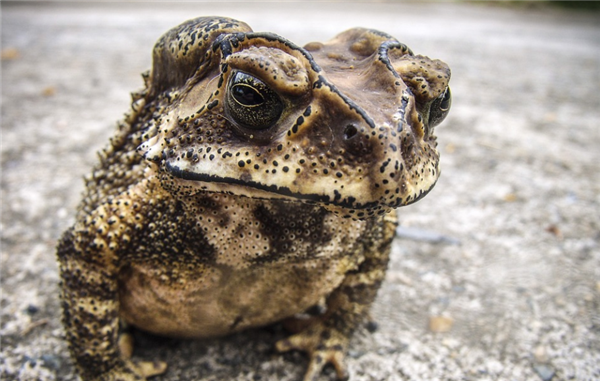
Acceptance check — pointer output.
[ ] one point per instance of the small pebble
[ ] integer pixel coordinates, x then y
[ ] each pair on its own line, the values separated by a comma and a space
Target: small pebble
440, 324
372, 326
421, 235
32, 309
545, 372
49, 91
51, 361
355, 354
539, 353
554, 230
9, 54
29, 360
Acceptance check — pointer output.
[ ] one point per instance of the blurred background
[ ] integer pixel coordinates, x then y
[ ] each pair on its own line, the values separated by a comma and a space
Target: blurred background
495, 275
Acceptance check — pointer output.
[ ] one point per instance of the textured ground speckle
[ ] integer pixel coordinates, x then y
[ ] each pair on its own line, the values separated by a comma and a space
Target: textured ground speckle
502, 258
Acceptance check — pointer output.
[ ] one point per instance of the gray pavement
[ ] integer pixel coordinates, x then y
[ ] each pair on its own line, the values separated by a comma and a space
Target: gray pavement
497, 274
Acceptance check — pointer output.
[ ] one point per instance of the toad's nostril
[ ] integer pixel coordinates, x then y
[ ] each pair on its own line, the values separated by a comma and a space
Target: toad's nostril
350, 131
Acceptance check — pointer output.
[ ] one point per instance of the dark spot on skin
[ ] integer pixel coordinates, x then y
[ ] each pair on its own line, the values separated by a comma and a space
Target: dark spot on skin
212, 104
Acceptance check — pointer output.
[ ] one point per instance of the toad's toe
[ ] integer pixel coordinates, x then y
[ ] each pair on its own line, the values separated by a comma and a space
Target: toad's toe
323, 346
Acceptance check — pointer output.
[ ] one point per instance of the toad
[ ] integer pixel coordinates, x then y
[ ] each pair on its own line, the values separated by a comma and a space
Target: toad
253, 181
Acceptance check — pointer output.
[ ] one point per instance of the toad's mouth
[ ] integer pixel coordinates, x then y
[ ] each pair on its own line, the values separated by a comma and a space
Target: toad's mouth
250, 188
280, 191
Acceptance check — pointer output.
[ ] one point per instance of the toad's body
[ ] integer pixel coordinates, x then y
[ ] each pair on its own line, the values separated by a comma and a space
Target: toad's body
257, 266
252, 181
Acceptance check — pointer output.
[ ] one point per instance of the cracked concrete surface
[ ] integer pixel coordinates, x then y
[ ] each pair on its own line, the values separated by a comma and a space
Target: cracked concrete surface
497, 274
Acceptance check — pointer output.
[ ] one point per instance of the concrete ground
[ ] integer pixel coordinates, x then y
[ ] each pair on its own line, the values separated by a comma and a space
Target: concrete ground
496, 274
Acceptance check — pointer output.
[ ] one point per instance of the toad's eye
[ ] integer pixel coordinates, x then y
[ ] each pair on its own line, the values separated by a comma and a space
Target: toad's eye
439, 108
251, 103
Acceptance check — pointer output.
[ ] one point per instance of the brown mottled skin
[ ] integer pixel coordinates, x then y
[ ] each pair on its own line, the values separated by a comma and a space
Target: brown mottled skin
252, 180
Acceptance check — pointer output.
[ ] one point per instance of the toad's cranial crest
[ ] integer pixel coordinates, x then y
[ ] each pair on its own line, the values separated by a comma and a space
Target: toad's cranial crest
249, 164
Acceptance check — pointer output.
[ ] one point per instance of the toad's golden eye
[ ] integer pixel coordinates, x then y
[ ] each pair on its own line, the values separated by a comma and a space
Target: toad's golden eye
439, 108
251, 103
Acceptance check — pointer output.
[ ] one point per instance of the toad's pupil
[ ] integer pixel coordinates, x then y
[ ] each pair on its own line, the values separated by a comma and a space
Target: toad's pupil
246, 95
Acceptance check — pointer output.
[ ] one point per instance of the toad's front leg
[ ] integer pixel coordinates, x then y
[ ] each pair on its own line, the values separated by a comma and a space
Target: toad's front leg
90, 256
326, 337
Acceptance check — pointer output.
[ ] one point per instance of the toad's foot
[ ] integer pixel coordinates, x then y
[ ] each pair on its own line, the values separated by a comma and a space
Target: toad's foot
323, 345
140, 369
129, 371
